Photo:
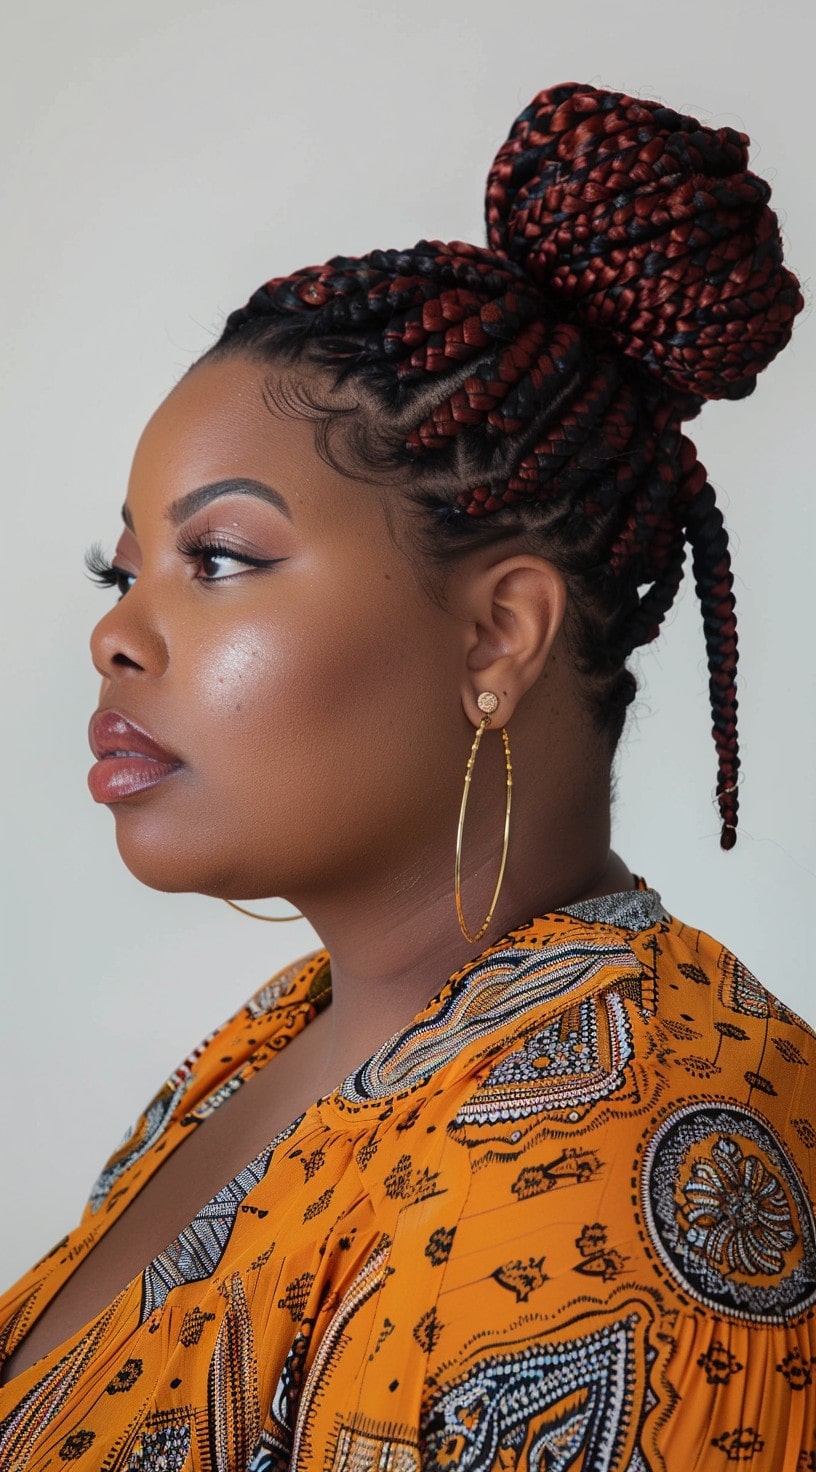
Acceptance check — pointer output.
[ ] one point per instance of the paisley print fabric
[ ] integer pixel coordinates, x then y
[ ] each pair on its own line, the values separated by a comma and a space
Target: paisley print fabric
564, 1220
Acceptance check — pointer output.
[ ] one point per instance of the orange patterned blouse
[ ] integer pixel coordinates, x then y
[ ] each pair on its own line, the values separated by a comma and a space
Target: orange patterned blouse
564, 1220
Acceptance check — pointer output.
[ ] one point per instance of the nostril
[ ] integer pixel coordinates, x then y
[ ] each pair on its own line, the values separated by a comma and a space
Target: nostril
127, 638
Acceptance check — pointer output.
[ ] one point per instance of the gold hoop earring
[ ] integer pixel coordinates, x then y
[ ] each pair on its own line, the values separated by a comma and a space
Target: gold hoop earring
253, 916
487, 702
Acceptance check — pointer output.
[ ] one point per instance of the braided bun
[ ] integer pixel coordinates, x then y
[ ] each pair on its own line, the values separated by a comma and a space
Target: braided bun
648, 227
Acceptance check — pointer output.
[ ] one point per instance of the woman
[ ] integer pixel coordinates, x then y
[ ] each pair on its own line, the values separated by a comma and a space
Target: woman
560, 1214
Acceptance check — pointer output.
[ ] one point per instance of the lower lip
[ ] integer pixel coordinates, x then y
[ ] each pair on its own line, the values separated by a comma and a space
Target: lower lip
115, 777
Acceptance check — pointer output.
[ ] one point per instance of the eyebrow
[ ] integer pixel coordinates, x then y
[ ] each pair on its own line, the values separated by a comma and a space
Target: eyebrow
186, 506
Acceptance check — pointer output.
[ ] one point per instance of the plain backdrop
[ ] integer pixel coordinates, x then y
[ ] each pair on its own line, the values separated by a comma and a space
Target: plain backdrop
161, 160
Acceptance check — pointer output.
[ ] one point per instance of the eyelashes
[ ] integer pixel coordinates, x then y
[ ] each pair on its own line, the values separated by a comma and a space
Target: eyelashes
194, 548
101, 571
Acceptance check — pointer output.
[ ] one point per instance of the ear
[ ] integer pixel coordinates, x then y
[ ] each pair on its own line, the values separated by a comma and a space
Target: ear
512, 610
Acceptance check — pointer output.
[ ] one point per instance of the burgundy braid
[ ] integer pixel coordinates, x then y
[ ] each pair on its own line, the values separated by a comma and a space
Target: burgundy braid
633, 271
648, 225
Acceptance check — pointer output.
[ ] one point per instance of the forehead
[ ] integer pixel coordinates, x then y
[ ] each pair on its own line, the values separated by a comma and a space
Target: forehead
218, 423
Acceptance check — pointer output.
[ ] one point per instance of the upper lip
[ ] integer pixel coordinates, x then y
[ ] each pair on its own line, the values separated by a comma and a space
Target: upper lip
110, 732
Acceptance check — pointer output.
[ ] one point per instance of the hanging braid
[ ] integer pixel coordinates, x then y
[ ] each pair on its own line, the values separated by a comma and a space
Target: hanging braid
633, 271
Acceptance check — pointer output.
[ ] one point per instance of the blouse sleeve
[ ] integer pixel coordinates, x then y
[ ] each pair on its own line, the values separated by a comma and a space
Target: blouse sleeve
532, 1334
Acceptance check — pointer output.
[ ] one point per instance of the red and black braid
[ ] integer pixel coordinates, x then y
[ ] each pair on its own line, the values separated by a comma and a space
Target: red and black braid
633, 271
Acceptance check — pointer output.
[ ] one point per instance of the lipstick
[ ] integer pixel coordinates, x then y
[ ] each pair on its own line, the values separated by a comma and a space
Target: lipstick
128, 759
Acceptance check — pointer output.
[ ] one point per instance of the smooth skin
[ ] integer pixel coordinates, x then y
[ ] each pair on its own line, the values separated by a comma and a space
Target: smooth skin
324, 708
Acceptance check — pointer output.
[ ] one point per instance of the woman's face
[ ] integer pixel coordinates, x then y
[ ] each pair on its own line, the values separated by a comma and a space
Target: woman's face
312, 694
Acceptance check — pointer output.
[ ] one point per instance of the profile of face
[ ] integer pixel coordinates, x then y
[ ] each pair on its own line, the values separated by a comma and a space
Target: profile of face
319, 703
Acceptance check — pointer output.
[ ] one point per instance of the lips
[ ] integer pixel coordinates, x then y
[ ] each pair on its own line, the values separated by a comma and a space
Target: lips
128, 761
111, 734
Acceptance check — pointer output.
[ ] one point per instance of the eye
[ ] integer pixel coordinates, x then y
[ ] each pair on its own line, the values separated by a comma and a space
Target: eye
204, 549
209, 554
104, 573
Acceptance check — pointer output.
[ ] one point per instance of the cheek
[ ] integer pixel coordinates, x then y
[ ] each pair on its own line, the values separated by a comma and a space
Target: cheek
304, 713
235, 684
273, 701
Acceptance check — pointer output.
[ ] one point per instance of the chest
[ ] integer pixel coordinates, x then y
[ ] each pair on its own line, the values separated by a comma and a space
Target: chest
212, 1155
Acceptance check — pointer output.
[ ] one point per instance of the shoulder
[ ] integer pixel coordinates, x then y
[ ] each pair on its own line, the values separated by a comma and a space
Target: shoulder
627, 1127
720, 1028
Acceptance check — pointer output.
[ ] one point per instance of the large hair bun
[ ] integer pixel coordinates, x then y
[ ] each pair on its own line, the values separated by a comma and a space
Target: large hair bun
647, 226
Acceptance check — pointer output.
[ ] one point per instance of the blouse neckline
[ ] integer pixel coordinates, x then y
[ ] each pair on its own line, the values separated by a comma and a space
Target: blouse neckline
506, 979
633, 909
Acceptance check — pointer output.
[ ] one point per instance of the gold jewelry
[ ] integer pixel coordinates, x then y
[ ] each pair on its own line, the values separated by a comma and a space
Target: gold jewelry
488, 702
252, 914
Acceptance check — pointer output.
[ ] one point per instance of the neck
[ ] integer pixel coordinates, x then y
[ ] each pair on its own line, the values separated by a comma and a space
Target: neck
392, 952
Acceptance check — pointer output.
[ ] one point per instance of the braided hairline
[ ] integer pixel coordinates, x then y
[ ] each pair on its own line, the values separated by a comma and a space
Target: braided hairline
460, 359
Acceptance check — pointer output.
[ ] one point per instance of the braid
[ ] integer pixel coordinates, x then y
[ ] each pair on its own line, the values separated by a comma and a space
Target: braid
652, 226
714, 582
633, 271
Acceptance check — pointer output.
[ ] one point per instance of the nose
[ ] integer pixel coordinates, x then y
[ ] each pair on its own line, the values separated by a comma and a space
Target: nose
125, 638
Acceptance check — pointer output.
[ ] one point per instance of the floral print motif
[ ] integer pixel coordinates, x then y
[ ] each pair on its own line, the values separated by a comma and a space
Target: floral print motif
719, 1364
124, 1379
439, 1245
76, 1445
797, 1369
738, 1212
591, 1238
739, 1445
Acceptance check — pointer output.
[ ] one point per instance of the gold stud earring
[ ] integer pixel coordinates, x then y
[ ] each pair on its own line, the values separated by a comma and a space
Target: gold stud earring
488, 702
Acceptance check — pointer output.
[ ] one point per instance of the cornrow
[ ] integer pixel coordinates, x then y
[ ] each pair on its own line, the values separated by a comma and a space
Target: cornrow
633, 270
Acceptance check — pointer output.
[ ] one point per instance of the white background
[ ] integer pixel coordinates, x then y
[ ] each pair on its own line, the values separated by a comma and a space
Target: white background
159, 161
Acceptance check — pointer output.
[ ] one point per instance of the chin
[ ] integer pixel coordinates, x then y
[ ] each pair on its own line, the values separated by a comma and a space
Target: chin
162, 857
166, 873
166, 857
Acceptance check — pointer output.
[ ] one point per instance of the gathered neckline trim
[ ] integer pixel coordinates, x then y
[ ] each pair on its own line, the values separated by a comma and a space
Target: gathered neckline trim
634, 909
